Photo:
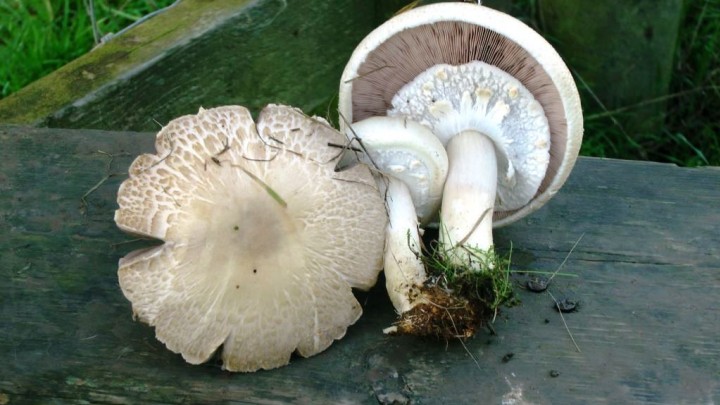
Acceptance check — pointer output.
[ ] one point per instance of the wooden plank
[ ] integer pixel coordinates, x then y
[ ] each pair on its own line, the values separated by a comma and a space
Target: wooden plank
202, 53
648, 278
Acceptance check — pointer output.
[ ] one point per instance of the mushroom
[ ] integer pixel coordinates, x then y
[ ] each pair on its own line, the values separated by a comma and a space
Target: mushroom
495, 93
414, 165
263, 241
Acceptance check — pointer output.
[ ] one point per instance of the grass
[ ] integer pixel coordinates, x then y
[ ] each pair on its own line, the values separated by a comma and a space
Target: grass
38, 36
460, 294
492, 287
692, 119
695, 112
691, 130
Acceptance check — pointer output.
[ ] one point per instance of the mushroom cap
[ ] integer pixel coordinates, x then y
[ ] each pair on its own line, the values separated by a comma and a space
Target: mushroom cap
407, 151
263, 241
457, 33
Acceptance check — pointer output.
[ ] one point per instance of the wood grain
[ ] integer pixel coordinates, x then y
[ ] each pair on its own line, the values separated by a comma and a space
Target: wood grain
648, 281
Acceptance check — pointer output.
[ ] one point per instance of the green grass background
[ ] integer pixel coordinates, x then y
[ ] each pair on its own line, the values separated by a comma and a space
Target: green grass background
38, 36
691, 130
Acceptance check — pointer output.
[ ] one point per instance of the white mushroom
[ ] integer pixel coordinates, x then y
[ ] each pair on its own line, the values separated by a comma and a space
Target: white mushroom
415, 165
497, 139
407, 151
263, 241
494, 92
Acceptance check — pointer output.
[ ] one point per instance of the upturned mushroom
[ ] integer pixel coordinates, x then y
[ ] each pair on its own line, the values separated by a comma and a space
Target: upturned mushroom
497, 96
263, 240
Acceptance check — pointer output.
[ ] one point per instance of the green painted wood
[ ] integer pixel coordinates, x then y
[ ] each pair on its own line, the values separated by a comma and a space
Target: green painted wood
202, 53
622, 50
648, 268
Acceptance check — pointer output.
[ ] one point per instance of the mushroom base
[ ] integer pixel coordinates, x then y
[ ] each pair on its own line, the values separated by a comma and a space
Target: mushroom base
457, 303
442, 316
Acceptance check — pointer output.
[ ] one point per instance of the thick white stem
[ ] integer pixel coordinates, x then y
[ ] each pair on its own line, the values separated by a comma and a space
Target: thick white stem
404, 269
468, 199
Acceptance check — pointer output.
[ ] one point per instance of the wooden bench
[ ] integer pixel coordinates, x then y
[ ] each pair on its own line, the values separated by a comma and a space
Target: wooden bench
647, 277
646, 268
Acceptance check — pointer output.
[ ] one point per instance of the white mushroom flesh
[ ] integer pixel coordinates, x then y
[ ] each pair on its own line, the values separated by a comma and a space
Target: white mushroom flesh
468, 201
409, 152
411, 166
403, 265
498, 123
480, 97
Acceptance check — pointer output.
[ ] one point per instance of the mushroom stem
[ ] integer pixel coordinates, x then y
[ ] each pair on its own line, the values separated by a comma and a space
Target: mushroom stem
404, 269
468, 200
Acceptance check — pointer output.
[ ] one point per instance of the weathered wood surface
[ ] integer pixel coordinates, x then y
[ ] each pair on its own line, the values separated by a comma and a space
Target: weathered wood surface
648, 278
204, 53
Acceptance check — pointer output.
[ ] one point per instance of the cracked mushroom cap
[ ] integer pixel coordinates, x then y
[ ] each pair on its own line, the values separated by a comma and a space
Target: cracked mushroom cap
455, 34
263, 241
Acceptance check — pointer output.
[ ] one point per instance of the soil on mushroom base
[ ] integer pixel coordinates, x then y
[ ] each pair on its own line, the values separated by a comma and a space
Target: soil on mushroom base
457, 302
444, 315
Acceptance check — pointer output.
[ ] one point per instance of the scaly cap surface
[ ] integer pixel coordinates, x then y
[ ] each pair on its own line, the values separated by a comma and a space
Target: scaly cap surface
263, 241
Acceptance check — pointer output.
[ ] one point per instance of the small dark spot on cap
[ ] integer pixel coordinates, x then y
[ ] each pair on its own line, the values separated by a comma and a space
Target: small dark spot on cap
507, 357
554, 373
236, 227
237, 286
254, 271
